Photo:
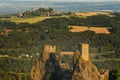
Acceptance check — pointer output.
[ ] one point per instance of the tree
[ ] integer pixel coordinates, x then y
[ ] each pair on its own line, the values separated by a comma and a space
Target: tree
117, 53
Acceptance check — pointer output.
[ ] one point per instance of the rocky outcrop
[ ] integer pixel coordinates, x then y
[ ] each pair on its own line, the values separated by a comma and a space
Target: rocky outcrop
76, 57
38, 70
85, 70
46, 65
64, 66
51, 69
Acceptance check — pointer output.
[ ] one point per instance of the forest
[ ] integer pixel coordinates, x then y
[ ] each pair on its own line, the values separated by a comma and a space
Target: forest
25, 38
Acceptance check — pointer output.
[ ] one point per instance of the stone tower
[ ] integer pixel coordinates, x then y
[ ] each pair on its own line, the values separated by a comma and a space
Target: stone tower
84, 49
50, 48
47, 51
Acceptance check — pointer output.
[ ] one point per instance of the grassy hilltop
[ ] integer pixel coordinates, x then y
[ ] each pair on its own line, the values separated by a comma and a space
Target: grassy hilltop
40, 14
26, 20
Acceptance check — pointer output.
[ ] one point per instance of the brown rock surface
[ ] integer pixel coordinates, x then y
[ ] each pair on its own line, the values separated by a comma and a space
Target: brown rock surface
48, 67
85, 70
38, 71
76, 57
45, 65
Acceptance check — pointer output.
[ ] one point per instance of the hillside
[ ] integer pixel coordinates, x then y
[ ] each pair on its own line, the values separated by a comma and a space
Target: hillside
28, 39
44, 12
26, 20
40, 14
48, 66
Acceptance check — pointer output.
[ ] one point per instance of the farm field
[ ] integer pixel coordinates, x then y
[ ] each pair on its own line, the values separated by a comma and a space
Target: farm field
97, 30
31, 20
24, 20
87, 14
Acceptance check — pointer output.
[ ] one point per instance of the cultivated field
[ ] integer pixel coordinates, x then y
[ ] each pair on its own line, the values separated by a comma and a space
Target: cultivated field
39, 18
31, 20
28, 20
97, 30
86, 14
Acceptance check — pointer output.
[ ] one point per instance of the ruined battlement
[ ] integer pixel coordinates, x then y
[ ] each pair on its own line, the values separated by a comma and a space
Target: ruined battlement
50, 48
66, 53
84, 50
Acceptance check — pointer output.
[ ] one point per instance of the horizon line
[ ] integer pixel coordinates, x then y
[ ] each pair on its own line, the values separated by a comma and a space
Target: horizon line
60, 1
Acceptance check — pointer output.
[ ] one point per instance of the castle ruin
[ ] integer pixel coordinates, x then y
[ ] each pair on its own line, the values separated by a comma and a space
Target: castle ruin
50, 48
84, 50
66, 53
82, 68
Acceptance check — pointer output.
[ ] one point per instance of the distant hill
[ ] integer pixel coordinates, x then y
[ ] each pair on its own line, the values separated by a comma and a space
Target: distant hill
10, 7
37, 12
23, 43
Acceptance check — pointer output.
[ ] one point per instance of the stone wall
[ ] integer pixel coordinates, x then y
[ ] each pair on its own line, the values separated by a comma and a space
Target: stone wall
66, 53
50, 48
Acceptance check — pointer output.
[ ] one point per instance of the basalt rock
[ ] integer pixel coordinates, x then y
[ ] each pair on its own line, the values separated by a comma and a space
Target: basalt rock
47, 65
86, 70
38, 71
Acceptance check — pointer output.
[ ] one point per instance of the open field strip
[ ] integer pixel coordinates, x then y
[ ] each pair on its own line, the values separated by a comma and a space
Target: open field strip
97, 30
26, 20
32, 19
87, 14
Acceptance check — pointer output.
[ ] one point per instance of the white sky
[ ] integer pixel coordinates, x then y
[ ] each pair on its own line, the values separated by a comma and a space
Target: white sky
65, 0
85, 0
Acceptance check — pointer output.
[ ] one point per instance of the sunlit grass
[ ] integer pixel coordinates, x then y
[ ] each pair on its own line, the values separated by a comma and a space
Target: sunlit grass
26, 20
32, 19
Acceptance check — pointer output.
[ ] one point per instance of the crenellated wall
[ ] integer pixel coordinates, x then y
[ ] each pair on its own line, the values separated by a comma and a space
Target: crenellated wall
50, 48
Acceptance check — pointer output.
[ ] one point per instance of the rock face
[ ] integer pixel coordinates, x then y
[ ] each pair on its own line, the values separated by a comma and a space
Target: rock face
46, 65
45, 70
38, 71
76, 57
85, 70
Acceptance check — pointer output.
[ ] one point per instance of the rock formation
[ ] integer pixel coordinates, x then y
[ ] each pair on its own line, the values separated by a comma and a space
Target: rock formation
85, 70
38, 70
48, 67
76, 57
45, 65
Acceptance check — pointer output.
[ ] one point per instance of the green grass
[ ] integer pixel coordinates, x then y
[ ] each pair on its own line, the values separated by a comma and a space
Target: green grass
101, 58
26, 20
30, 20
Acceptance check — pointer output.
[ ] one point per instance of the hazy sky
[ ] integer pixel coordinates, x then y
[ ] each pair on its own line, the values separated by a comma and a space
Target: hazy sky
65, 0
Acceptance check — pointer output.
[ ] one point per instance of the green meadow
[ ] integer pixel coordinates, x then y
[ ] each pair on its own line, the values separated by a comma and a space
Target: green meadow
26, 20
